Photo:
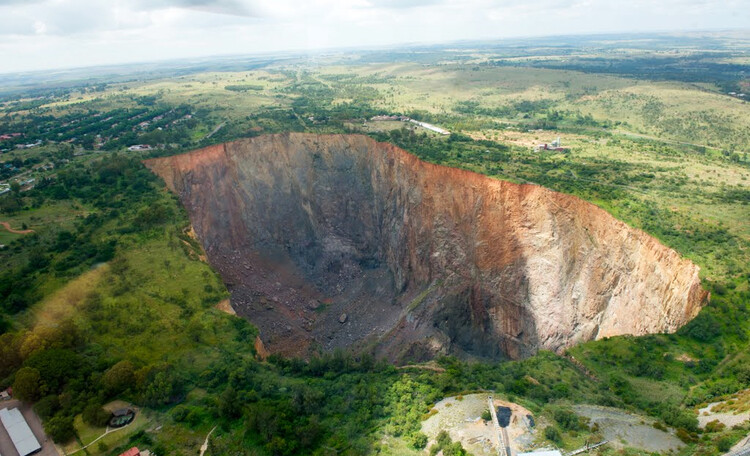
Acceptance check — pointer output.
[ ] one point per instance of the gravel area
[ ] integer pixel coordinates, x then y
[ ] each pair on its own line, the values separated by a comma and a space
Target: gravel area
705, 416
462, 420
625, 430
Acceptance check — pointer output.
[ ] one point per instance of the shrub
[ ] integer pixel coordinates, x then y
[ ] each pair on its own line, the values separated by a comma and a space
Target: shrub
419, 441
685, 436
552, 434
715, 426
724, 444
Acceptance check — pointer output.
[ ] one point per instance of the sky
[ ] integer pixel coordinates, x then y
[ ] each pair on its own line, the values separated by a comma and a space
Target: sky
48, 34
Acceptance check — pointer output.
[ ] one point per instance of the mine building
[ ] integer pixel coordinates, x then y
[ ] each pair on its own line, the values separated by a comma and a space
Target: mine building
554, 145
19, 431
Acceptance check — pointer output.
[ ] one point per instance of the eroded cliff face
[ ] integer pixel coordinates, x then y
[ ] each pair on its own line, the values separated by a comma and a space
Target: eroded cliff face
340, 241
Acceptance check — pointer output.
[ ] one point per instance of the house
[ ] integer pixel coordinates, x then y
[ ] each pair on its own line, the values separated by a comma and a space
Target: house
122, 417
132, 452
4, 395
19, 431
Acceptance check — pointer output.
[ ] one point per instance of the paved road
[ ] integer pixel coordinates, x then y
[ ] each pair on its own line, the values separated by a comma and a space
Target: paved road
6, 446
741, 452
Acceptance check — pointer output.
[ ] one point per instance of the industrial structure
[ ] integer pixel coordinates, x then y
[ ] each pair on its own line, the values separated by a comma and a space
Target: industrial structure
19, 431
554, 145
503, 444
424, 125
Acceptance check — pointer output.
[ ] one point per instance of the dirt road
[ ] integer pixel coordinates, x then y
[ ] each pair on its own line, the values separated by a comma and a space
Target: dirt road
6, 225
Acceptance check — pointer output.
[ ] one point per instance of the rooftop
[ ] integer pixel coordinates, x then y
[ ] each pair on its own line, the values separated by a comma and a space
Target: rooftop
19, 431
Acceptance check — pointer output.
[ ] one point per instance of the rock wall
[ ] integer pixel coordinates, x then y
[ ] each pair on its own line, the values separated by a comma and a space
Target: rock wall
332, 241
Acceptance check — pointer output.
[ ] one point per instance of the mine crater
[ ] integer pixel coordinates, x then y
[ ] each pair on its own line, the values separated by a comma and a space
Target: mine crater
339, 241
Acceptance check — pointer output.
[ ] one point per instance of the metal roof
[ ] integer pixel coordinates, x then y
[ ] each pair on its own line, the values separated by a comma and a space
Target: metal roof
542, 453
19, 431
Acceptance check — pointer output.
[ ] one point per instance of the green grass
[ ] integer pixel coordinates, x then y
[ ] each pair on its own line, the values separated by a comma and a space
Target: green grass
88, 434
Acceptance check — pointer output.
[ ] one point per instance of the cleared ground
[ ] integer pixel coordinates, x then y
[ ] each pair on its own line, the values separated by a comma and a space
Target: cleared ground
461, 417
622, 429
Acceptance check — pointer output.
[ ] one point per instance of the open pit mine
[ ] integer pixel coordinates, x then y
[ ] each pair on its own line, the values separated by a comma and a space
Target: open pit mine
329, 241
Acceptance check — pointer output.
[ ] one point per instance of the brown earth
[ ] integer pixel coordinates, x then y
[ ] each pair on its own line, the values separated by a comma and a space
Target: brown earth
6, 225
330, 241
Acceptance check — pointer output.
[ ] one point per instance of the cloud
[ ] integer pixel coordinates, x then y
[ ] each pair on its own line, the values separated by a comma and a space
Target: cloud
18, 2
404, 3
67, 33
230, 7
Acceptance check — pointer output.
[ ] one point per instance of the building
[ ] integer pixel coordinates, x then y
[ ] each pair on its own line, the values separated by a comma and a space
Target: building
542, 453
430, 127
122, 417
136, 452
139, 147
20, 432
554, 145
416, 122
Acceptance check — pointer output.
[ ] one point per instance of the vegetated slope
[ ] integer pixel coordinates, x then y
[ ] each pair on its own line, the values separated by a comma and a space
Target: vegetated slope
337, 240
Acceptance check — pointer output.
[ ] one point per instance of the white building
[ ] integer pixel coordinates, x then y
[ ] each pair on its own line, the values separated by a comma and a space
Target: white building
430, 127
20, 432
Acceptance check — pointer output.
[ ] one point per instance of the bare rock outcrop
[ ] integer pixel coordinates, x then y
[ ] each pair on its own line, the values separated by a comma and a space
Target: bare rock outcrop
422, 259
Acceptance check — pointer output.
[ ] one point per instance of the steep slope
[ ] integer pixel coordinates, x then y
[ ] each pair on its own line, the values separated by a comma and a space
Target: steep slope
337, 241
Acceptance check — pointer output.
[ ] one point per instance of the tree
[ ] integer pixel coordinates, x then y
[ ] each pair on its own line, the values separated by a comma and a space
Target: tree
57, 366
28, 384
551, 433
119, 377
487, 415
60, 428
95, 415
229, 406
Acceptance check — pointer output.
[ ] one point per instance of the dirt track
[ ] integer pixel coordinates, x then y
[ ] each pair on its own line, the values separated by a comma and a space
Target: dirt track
6, 225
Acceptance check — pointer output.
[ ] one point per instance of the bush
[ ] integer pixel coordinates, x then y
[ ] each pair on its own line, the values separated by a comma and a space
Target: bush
724, 444
715, 426
685, 436
419, 441
552, 434
703, 328
567, 419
